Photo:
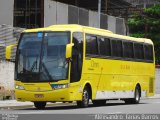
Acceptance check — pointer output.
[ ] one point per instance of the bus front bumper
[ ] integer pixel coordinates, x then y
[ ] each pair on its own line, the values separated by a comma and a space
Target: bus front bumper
48, 96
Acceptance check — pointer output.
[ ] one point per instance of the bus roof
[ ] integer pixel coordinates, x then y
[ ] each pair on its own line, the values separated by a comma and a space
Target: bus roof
89, 30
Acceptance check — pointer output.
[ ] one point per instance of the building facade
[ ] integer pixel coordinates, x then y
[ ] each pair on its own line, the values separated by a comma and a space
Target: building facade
42, 13
143, 3
6, 12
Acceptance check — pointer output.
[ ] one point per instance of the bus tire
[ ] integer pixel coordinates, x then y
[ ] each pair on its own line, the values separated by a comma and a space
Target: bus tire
40, 105
137, 95
99, 102
136, 98
85, 98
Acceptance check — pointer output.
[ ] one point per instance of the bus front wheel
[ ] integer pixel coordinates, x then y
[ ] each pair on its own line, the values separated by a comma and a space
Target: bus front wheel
40, 105
99, 102
85, 98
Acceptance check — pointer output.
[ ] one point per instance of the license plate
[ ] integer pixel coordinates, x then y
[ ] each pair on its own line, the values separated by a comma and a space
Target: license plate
39, 95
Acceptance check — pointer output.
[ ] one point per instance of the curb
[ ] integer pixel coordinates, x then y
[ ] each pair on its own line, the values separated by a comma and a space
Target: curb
20, 105
156, 96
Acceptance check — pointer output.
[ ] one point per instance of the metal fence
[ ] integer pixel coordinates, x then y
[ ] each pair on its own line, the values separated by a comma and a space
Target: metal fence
8, 35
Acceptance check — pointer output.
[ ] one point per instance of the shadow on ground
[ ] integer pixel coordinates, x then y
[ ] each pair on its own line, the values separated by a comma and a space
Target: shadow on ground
69, 106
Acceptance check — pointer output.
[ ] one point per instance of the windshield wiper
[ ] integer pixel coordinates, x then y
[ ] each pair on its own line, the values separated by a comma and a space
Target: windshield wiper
34, 65
46, 71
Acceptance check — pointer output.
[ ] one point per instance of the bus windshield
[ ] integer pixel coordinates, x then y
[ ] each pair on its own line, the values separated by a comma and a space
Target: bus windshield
41, 57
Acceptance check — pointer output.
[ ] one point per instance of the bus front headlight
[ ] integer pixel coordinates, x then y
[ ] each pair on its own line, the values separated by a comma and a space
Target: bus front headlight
59, 86
19, 87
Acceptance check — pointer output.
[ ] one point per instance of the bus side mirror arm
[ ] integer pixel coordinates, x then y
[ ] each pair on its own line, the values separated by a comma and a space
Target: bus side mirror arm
69, 50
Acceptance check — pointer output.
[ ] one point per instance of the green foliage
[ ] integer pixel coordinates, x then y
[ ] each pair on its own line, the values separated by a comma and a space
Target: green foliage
138, 35
147, 25
136, 20
155, 10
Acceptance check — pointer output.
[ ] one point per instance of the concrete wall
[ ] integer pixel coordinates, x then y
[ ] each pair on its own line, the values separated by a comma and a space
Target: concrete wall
93, 18
112, 24
6, 12
62, 13
6, 80
59, 13
7, 75
120, 26
50, 13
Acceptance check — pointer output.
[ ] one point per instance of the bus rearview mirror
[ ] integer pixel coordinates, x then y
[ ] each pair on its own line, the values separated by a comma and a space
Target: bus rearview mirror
8, 52
69, 50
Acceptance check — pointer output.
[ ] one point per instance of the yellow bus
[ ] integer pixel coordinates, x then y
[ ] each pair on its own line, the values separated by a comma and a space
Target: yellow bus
65, 63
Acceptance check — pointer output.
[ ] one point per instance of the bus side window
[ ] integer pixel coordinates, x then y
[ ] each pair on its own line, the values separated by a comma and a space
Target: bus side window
104, 46
148, 50
77, 57
116, 46
91, 45
138, 51
128, 49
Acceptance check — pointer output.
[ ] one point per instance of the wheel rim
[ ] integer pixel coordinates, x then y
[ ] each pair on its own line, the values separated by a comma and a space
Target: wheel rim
137, 95
85, 97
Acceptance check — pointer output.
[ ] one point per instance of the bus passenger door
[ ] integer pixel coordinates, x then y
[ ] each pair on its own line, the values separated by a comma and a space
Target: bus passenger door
77, 57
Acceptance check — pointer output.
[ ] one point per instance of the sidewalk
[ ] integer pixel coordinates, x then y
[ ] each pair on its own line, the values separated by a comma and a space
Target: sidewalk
156, 96
12, 103
9, 103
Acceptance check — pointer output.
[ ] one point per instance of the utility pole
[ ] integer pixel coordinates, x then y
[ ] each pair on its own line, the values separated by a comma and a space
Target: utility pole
99, 13
106, 6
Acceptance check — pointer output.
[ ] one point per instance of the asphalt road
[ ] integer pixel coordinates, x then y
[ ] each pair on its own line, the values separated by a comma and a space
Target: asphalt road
146, 106
113, 110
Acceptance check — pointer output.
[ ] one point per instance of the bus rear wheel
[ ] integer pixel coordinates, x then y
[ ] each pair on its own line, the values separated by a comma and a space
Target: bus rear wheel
137, 95
85, 98
40, 105
136, 98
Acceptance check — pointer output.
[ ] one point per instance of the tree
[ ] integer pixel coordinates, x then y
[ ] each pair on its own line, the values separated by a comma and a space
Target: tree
147, 25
